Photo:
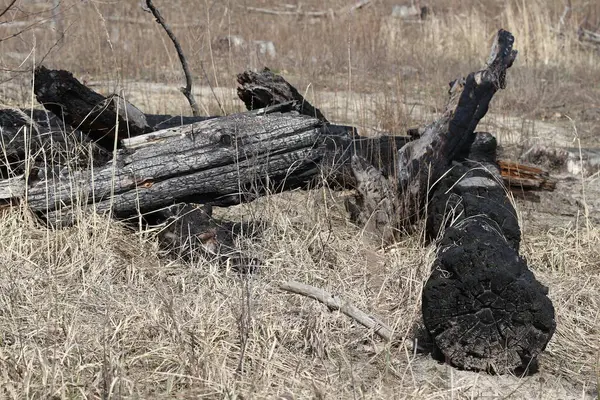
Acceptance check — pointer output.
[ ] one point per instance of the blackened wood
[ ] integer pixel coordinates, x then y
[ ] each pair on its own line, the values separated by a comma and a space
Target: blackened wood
84, 109
425, 160
471, 188
38, 137
221, 161
263, 89
266, 88
482, 306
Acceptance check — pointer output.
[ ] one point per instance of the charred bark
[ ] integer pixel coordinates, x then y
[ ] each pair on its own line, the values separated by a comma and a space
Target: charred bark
472, 188
221, 161
36, 138
264, 89
482, 306
424, 161
40, 138
105, 120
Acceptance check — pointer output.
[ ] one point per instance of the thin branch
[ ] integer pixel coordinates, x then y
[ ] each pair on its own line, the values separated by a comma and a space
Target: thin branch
337, 303
187, 90
7, 8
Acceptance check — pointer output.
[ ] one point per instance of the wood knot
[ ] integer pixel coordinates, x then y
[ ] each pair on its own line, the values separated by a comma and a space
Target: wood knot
225, 140
145, 183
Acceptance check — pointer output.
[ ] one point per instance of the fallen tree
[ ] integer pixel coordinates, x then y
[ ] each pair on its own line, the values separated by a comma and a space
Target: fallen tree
290, 144
222, 161
75, 116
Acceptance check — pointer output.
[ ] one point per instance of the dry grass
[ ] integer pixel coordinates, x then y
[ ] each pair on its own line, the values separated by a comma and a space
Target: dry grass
95, 311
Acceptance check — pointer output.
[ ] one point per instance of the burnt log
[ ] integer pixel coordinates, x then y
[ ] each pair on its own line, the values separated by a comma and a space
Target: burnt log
221, 162
34, 138
264, 89
423, 161
39, 137
105, 120
481, 305
471, 188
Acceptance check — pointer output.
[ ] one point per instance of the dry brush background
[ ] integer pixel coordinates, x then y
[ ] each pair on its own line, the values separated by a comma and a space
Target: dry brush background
94, 311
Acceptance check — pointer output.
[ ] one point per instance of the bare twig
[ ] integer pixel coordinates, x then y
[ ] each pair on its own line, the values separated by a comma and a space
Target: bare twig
337, 303
7, 8
187, 90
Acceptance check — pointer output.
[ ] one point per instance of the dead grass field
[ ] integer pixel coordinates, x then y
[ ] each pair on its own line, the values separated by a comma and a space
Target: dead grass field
95, 311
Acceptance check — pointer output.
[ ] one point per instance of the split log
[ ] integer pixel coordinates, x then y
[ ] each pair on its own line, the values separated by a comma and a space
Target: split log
525, 177
115, 187
482, 306
221, 161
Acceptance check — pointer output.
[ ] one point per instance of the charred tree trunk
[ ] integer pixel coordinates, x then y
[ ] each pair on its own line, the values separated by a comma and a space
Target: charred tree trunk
483, 307
39, 137
105, 120
264, 89
36, 138
424, 161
